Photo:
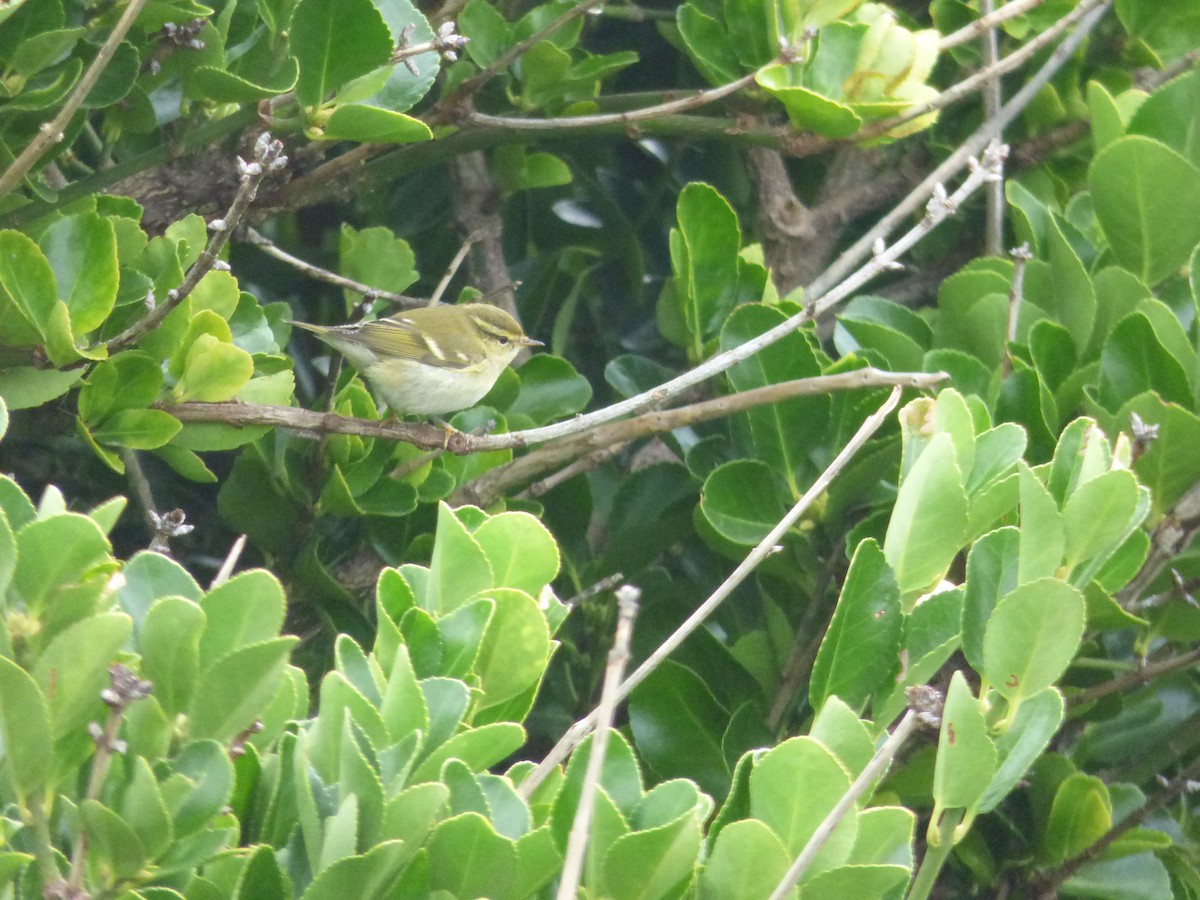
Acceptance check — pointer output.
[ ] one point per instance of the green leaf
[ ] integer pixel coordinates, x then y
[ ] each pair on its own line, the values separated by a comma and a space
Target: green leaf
991, 574
1043, 535
54, 554
24, 727
929, 520
23, 387
372, 874
1135, 361
246, 609
708, 42
551, 389
1140, 877
792, 788
861, 648
1099, 515
1080, 815
478, 748
650, 863
747, 861
620, 778
458, 569
1032, 637
231, 693
521, 552
28, 290
138, 429
1168, 116
515, 649
214, 371
677, 726
111, 842
1141, 191
73, 670
335, 41
375, 256
780, 434
360, 122
170, 647
1037, 721
468, 859
741, 501
704, 258
877, 881
82, 250
966, 758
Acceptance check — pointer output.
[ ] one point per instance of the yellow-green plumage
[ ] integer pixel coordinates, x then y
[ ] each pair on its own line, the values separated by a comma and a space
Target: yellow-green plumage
432, 360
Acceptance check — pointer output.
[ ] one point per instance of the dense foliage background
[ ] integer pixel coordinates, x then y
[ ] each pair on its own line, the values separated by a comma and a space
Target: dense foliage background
898, 406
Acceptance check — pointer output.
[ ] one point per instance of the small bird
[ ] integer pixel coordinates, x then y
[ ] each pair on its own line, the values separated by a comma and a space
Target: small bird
431, 360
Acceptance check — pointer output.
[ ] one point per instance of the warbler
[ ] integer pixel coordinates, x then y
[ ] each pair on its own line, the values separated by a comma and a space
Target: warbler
431, 360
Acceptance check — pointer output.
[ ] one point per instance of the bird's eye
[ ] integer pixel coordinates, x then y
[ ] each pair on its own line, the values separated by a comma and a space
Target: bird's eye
503, 339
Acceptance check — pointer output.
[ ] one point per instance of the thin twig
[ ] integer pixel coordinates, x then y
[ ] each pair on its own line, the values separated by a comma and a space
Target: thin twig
50, 133
1016, 294
264, 243
1139, 676
987, 23
684, 104
984, 135
760, 552
627, 606
585, 463
141, 486
994, 233
124, 689
268, 158
230, 563
876, 767
604, 584
452, 269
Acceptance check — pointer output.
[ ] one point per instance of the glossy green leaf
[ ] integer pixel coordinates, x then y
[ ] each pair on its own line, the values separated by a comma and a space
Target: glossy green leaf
929, 520
362, 122
1080, 815
1031, 637
1135, 361
336, 41
515, 648
244, 610
551, 389
214, 371
468, 859
1141, 190
652, 862
991, 574
861, 648
741, 501
677, 726
249, 677
24, 726
1036, 723
966, 758
55, 553
747, 862
138, 429
459, 569
704, 258
792, 788
82, 250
